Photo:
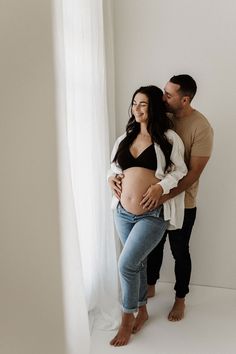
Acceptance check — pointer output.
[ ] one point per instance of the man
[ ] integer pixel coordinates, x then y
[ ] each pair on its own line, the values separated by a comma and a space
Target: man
197, 136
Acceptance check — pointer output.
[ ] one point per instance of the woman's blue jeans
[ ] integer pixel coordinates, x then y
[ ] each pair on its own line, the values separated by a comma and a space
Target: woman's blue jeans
139, 235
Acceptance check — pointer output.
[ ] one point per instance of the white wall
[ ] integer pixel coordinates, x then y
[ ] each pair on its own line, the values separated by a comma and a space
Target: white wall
31, 320
155, 40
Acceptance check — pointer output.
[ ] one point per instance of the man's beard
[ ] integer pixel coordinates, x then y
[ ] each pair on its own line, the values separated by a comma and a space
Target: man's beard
169, 109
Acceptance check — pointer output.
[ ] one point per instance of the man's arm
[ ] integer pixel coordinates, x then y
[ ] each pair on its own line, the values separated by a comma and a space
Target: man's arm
196, 166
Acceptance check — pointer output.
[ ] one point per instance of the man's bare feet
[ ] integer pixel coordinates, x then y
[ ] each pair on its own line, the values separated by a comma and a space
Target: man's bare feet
126, 328
151, 291
177, 312
140, 319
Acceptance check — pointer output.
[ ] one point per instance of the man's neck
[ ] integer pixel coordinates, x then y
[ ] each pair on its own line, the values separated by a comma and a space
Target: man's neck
185, 112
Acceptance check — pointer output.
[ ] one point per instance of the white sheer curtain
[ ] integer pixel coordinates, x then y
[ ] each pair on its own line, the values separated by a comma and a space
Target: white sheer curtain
87, 138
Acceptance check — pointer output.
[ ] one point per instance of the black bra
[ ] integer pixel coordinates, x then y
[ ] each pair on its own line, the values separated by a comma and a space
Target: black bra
146, 159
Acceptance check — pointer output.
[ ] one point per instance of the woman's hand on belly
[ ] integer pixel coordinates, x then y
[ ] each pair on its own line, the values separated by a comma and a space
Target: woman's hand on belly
135, 184
151, 197
115, 183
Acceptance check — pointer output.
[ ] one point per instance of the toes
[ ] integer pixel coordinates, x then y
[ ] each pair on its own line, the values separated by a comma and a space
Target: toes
113, 341
119, 341
172, 318
175, 317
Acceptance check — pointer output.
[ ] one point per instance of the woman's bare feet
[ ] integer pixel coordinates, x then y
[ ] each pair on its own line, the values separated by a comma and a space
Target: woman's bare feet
141, 318
126, 328
151, 291
177, 312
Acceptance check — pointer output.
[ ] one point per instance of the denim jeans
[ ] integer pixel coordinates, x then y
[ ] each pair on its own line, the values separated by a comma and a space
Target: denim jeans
139, 235
179, 244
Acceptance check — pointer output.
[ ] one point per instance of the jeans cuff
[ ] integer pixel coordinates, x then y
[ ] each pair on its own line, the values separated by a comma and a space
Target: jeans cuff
142, 303
129, 310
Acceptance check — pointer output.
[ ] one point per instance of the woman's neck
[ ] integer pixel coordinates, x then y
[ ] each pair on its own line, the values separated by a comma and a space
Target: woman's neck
143, 131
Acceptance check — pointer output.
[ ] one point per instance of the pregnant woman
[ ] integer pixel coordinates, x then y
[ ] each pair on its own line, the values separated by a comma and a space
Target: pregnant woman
150, 155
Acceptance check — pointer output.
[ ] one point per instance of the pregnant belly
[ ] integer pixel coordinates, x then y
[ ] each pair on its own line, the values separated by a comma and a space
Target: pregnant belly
135, 183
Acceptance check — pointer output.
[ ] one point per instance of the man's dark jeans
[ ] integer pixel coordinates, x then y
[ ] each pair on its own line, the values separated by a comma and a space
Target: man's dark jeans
179, 244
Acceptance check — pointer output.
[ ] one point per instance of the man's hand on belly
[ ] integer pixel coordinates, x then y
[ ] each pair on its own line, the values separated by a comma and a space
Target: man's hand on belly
151, 197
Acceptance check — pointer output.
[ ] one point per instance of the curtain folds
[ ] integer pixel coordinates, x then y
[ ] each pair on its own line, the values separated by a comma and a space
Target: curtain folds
87, 127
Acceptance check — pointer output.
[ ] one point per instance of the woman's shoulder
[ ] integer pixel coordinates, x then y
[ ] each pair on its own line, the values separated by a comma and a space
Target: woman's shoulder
120, 138
171, 133
173, 137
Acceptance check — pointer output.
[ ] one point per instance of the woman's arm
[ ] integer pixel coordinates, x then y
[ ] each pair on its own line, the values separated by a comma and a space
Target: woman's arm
115, 169
113, 179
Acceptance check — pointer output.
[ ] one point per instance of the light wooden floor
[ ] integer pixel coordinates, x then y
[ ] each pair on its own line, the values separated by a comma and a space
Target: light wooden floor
209, 326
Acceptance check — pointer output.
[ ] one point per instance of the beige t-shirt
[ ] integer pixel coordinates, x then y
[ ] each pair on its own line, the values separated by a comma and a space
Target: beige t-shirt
197, 135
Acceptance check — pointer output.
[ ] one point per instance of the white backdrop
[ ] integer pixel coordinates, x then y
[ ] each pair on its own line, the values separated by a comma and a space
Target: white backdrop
155, 40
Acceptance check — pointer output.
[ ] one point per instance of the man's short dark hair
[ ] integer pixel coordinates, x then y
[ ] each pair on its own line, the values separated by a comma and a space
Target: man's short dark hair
188, 86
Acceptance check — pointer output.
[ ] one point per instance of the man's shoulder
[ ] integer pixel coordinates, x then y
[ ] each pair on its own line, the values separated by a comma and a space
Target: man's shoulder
201, 135
199, 120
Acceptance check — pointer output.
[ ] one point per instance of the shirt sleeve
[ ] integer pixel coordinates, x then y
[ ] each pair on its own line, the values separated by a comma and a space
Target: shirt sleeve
203, 142
114, 167
178, 168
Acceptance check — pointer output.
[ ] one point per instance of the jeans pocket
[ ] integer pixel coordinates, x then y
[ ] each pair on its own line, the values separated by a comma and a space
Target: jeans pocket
119, 208
157, 212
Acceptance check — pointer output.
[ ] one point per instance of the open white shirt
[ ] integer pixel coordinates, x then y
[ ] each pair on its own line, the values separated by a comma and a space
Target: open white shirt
173, 208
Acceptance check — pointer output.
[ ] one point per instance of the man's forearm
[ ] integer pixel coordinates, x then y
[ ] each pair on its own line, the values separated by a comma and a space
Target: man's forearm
184, 184
196, 166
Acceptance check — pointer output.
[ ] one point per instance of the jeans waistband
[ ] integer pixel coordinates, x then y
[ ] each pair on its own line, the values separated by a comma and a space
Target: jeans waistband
156, 212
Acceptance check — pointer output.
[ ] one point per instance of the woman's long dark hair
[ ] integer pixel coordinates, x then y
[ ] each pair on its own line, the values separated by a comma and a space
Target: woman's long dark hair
158, 123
